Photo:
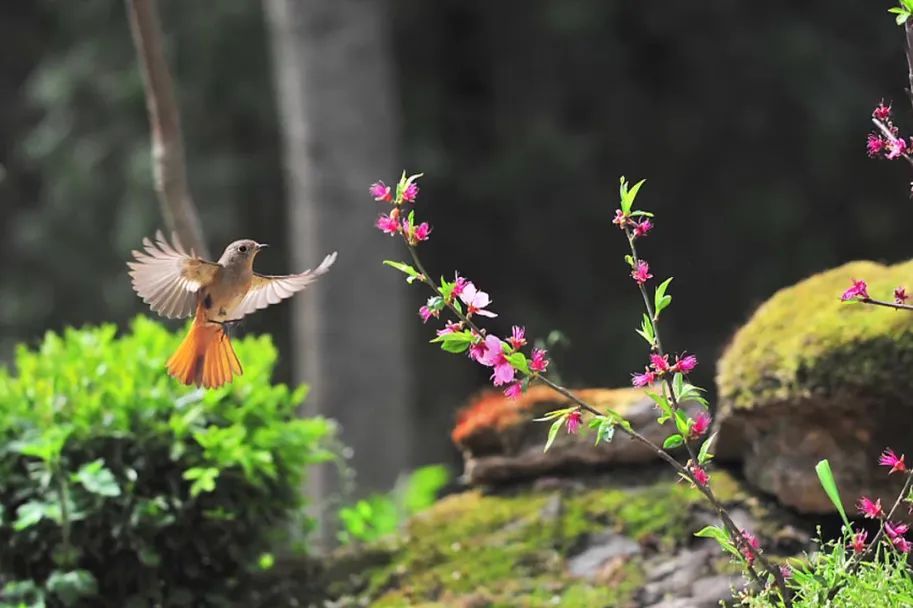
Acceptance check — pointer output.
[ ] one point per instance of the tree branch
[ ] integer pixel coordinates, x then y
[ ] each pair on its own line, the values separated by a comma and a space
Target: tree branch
165, 123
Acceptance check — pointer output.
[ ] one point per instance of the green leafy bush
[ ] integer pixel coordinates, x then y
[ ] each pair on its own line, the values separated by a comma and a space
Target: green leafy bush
120, 487
381, 514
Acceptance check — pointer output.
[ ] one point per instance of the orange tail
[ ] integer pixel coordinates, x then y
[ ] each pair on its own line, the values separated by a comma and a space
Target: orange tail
205, 357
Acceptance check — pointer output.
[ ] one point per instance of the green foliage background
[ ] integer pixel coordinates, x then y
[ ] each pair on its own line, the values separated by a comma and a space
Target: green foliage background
118, 487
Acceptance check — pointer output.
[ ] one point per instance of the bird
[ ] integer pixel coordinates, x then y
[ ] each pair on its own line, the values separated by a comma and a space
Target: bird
176, 284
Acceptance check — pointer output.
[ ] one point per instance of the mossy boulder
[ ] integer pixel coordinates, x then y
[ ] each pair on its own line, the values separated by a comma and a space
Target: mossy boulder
502, 442
811, 377
593, 541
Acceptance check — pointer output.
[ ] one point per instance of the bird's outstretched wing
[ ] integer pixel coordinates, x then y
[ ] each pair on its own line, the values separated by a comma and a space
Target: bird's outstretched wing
167, 278
270, 289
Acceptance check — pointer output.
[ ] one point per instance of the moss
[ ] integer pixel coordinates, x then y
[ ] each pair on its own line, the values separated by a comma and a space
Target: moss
804, 343
473, 549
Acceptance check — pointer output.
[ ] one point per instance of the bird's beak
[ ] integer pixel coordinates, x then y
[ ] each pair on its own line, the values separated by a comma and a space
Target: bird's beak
261, 246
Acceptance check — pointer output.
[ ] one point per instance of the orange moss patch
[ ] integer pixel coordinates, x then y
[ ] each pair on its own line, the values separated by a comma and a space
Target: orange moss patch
491, 410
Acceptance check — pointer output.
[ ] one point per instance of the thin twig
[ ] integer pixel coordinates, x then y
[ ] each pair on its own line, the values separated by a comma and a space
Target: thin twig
885, 303
734, 531
168, 163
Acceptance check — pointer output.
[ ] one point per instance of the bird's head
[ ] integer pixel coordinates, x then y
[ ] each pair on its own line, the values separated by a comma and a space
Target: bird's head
241, 253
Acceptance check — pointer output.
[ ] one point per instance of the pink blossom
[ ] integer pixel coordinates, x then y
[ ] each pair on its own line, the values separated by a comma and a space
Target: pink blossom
539, 361
881, 112
858, 290
410, 192
620, 219
896, 147
425, 313
477, 351
751, 548
659, 362
514, 390
900, 295
574, 420
701, 424
874, 145
517, 338
387, 224
459, 284
902, 544
786, 572
685, 364
870, 509
645, 379
889, 459
495, 358
475, 300
894, 530
380, 191
642, 228
641, 273
450, 328
858, 541
421, 232
701, 477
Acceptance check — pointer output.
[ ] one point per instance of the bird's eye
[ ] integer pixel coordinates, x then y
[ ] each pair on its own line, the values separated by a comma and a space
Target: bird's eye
243, 248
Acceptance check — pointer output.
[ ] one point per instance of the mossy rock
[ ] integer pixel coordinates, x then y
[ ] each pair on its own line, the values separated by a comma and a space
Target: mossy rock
811, 377
518, 547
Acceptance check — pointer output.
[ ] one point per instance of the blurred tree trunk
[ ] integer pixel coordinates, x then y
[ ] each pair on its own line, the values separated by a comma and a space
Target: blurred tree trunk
333, 72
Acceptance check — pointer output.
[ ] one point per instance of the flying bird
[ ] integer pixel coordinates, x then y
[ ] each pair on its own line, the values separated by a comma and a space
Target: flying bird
177, 284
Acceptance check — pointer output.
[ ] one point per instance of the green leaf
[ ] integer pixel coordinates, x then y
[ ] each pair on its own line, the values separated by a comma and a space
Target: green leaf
663, 404
682, 423
704, 454
640, 213
902, 18
204, 479
720, 536
28, 514
553, 431
518, 361
554, 414
628, 195
678, 383
411, 273
660, 299
605, 430
673, 441
630, 260
71, 586
826, 477
455, 342
907, 4
97, 479
646, 330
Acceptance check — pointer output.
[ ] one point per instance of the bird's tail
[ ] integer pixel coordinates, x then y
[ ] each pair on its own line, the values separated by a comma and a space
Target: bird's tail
205, 357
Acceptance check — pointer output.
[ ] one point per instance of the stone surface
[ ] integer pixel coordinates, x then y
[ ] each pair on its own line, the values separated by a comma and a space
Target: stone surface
601, 550
502, 443
810, 377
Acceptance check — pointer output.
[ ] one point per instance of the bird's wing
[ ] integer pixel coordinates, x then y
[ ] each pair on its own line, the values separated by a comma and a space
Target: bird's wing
270, 289
167, 278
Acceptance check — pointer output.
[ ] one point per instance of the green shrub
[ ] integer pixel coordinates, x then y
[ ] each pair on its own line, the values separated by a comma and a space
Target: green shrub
120, 487
381, 514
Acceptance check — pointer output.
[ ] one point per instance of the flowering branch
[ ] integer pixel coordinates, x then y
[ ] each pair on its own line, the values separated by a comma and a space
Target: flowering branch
465, 301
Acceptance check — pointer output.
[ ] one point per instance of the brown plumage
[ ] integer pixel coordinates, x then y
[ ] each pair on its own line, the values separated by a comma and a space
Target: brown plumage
176, 284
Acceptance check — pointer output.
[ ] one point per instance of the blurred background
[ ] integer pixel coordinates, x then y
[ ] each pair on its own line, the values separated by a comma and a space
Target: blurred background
748, 124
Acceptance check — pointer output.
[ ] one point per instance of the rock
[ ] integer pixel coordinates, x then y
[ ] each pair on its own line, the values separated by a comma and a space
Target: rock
502, 443
601, 542
810, 377
602, 549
